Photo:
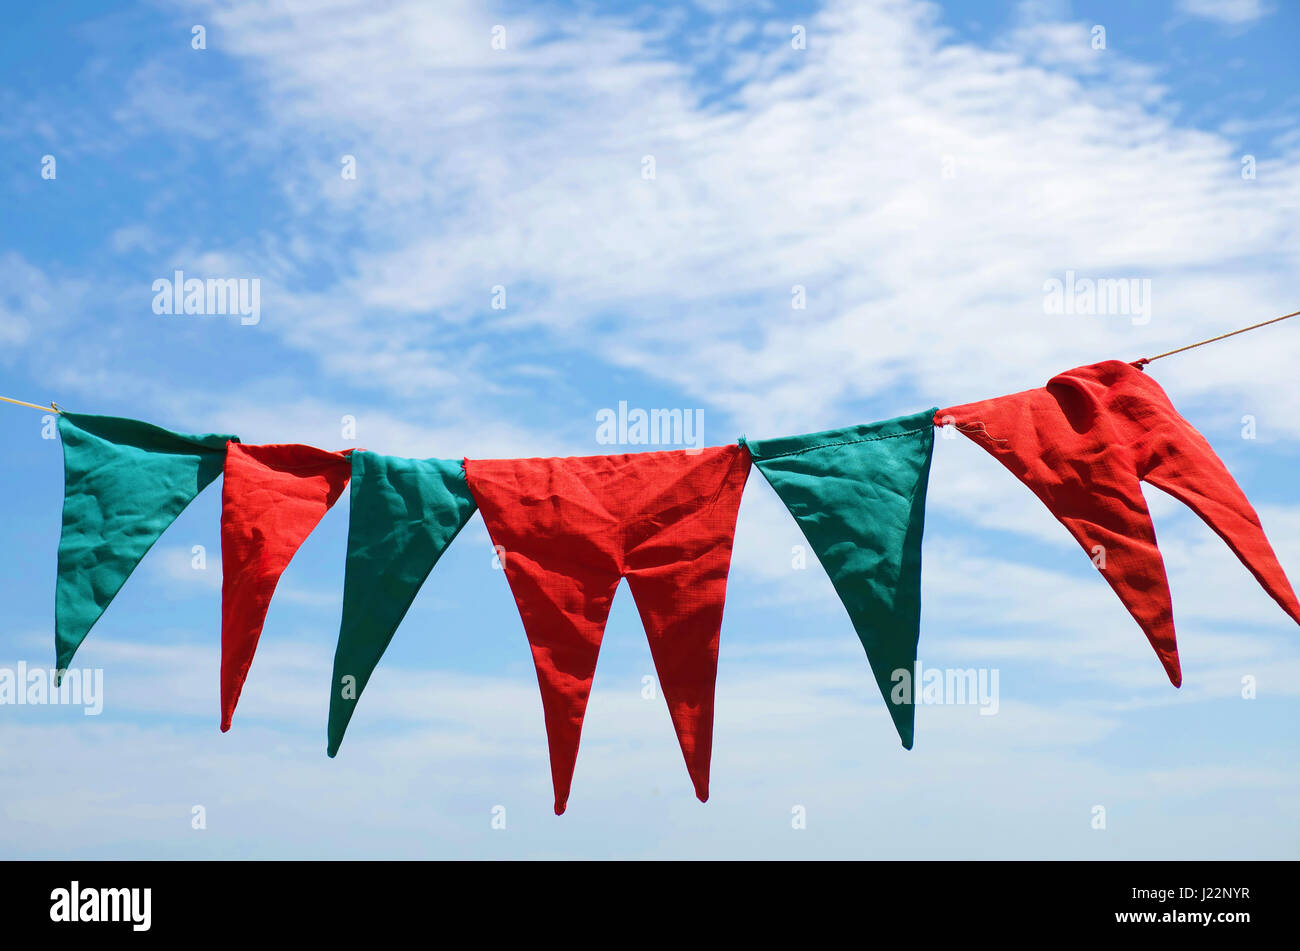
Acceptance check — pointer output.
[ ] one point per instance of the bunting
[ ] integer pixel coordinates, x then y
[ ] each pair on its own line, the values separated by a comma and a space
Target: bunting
405, 512
858, 495
272, 498
1083, 443
567, 530
124, 482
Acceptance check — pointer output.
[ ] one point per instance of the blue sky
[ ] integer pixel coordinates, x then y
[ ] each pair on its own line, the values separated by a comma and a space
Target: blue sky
919, 169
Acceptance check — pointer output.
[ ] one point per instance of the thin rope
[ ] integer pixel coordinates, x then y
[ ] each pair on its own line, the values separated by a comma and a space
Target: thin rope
48, 409
1169, 353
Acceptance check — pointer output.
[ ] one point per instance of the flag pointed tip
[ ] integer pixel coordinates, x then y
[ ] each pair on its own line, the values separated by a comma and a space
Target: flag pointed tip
332, 750
904, 719
225, 726
560, 807
1173, 667
702, 796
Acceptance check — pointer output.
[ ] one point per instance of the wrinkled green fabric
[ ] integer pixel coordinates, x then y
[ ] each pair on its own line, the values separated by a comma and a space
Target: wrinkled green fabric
124, 482
405, 512
858, 494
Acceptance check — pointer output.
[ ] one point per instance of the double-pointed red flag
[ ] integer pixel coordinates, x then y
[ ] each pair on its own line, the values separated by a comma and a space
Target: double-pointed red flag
568, 529
1083, 444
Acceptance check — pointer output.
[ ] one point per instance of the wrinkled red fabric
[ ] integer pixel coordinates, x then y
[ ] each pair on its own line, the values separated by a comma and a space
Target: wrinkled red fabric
568, 529
1083, 443
272, 497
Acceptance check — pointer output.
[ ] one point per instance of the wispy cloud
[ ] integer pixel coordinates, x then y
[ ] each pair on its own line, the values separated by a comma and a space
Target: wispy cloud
1003, 149
1231, 12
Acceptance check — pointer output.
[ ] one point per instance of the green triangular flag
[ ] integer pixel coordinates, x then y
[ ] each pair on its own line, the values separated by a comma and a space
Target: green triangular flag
404, 514
858, 494
124, 482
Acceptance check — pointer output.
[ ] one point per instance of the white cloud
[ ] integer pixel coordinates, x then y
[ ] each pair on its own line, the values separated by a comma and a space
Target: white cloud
1231, 12
824, 167
33, 306
429, 756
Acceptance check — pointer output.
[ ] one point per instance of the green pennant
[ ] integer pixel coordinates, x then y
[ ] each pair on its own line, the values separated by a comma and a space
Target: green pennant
858, 494
124, 482
404, 514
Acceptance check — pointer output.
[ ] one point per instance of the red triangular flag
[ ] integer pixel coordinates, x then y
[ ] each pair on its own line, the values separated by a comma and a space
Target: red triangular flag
271, 499
568, 529
1083, 443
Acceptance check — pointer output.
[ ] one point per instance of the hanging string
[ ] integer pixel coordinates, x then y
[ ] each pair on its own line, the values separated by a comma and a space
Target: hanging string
52, 408
1169, 353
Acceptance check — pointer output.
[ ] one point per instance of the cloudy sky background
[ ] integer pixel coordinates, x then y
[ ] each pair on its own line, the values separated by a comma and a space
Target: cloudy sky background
921, 169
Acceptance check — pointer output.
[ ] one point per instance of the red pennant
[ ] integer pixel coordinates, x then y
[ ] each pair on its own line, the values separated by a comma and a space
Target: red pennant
568, 529
1083, 443
272, 498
